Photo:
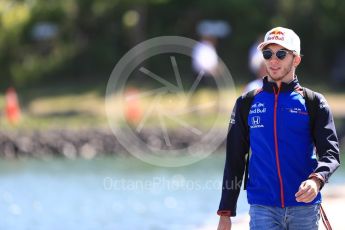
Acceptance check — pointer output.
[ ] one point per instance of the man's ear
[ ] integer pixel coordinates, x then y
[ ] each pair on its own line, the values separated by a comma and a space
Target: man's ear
297, 60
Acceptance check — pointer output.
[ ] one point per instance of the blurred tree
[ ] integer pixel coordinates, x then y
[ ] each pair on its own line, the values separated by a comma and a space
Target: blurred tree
68, 40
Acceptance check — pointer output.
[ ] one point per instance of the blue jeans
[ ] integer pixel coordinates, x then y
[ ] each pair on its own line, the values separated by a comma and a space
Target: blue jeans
288, 218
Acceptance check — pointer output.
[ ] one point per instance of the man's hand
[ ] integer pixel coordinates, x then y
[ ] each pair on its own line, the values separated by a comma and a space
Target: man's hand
308, 190
224, 223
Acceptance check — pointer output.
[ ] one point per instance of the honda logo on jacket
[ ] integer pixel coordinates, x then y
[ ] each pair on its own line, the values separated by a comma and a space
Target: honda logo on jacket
256, 123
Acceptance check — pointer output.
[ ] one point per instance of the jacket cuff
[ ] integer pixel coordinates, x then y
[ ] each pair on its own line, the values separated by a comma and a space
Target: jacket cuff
319, 178
224, 213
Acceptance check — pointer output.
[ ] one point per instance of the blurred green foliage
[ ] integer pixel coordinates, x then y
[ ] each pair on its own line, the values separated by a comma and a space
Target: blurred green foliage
93, 34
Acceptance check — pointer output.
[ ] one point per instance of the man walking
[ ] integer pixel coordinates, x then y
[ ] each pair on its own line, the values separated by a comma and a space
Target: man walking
294, 150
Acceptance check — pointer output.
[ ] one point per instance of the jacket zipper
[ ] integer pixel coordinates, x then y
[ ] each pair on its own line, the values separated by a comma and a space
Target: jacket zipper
276, 94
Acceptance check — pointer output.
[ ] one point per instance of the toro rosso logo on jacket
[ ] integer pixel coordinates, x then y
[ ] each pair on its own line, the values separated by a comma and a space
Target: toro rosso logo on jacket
257, 108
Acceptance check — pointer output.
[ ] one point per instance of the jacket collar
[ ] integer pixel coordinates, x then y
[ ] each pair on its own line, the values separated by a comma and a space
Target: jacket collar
285, 87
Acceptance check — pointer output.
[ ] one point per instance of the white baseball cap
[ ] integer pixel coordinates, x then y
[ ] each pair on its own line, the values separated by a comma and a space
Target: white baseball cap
284, 37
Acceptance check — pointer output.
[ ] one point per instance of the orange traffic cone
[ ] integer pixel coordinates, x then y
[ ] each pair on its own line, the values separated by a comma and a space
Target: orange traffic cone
133, 110
12, 109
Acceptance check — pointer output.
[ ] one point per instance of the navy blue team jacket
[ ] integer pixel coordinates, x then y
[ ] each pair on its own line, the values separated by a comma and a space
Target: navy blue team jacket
282, 148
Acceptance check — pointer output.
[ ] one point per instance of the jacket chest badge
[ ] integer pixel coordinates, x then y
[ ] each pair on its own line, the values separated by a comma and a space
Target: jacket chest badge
257, 108
255, 122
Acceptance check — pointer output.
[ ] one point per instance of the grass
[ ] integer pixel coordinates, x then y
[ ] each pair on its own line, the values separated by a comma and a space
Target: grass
86, 108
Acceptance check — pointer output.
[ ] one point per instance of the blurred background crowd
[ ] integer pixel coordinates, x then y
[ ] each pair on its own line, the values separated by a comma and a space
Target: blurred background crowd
45, 43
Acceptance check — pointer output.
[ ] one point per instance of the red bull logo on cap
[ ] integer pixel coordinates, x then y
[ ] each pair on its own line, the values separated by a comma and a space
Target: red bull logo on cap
277, 32
276, 35
284, 37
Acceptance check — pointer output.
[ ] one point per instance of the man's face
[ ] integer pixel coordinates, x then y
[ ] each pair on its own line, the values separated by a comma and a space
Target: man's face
280, 69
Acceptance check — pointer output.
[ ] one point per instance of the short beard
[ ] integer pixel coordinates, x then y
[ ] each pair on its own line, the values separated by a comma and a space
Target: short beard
286, 71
